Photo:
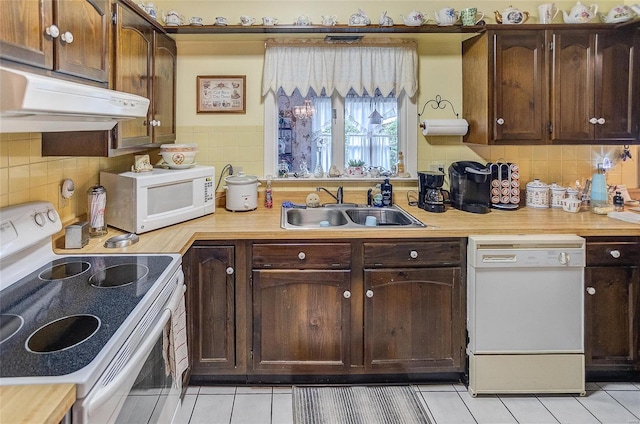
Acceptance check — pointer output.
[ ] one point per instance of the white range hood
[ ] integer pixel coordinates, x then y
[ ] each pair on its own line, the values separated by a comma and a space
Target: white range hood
37, 103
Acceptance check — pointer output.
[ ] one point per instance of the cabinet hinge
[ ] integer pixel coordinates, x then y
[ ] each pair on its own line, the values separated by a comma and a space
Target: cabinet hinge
114, 18
251, 354
549, 127
550, 46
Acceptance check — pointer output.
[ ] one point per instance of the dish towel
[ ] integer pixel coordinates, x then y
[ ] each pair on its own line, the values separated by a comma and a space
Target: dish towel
625, 216
176, 355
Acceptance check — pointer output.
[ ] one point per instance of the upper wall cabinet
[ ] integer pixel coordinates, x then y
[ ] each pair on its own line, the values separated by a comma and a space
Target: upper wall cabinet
595, 95
70, 37
532, 86
144, 63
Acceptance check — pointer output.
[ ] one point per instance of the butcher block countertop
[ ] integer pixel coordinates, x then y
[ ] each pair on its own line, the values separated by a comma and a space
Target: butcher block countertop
46, 403
264, 224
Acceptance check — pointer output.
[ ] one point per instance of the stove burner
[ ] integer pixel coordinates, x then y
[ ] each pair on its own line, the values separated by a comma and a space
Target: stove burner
9, 325
63, 333
119, 275
64, 270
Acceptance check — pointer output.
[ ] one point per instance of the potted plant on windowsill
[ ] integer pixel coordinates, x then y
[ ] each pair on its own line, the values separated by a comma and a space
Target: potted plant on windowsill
355, 168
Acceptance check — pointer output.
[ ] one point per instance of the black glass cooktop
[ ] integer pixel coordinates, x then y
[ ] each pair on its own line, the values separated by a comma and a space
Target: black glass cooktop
56, 320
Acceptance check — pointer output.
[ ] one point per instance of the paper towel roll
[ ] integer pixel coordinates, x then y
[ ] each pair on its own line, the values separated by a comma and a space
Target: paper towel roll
444, 126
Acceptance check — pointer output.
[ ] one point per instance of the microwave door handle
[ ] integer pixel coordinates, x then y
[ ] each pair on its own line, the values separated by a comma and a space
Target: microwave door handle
142, 351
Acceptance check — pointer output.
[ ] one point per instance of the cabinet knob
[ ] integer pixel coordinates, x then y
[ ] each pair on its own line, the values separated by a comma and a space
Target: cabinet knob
67, 37
601, 121
346, 294
369, 294
52, 31
229, 270
564, 258
591, 290
593, 120
301, 256
500, 121
615, 253
413, 254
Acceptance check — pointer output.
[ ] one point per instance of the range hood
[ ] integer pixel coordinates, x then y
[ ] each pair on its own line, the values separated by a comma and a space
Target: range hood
37, 103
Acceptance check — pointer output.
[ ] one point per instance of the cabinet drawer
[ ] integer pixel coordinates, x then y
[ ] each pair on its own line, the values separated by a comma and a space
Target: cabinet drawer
434, 253
613, 252
302, 255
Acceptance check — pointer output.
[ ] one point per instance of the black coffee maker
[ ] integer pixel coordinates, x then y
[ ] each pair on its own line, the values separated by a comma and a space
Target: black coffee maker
470, 185
431, 196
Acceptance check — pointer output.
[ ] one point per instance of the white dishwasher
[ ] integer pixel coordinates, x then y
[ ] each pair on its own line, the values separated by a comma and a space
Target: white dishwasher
525, 314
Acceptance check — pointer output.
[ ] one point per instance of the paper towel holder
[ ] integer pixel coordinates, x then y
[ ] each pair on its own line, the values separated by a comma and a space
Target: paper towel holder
443, 126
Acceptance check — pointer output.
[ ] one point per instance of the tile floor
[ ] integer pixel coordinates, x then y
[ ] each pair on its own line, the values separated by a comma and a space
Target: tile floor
607, 403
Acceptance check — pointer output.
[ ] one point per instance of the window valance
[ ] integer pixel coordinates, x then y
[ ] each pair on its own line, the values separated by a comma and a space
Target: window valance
387, 65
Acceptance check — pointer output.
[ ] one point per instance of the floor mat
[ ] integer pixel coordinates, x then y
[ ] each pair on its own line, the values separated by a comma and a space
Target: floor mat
357, 405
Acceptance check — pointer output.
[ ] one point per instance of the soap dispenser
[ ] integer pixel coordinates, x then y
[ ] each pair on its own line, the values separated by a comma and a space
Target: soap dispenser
387, 193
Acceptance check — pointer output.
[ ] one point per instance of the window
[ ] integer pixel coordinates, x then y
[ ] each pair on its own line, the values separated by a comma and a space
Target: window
346, 124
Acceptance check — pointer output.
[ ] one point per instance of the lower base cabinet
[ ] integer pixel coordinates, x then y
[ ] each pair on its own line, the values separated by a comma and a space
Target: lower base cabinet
612, 304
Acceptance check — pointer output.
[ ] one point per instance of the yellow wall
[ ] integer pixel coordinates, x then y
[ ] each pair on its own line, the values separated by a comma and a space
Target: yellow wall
238, 139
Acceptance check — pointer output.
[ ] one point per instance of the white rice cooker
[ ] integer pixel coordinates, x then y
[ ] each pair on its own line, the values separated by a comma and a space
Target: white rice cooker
242, 192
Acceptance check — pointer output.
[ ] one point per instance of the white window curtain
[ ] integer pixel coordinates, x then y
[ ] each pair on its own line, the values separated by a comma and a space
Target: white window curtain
386, 65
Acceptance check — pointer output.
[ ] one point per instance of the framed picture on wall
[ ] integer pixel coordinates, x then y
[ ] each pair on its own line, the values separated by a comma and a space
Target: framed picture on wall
221, 94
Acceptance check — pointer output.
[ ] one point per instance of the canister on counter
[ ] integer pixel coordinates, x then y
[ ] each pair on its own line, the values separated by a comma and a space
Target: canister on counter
96, 210
537, 194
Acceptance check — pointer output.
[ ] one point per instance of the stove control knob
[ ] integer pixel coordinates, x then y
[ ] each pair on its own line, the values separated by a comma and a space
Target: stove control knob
52, 215
39, 219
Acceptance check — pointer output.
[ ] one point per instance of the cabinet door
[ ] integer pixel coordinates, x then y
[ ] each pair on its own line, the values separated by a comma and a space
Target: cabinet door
617, 105
23, 26
211, 309
86, 55
414, 320
132, 71
164, 89
301, 321
519, 87
611, 318
573, 83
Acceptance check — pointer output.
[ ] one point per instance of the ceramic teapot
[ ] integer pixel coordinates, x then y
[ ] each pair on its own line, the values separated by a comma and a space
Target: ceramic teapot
446, 16
172, 18
511, 15
329, 20
359, 19
580, 14
620, 13
415, 18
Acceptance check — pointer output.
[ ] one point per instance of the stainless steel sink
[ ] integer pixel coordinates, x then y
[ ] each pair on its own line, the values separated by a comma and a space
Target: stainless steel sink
346, 216
312, 218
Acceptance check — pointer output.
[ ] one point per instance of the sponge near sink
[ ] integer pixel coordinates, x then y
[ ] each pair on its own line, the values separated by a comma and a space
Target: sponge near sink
313, 200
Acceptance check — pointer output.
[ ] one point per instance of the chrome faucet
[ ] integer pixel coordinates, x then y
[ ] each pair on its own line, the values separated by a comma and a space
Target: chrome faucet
338, 196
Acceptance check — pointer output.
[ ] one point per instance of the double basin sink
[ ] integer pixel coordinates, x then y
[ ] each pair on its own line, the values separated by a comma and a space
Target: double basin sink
347, 216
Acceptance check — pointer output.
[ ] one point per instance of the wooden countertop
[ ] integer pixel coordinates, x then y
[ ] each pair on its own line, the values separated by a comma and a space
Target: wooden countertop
36, 404
264, 224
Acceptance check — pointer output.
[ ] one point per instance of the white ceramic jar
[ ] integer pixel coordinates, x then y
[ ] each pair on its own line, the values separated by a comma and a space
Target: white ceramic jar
557, 195
537, 194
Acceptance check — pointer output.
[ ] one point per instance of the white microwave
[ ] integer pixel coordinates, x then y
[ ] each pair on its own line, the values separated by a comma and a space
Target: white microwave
138, 202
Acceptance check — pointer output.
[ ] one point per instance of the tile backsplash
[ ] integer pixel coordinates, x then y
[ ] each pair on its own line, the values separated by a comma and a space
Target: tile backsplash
27, 176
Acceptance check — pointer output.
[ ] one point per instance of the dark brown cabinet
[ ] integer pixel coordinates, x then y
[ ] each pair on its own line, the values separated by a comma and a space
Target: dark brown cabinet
211, 309
612, 304
70, 37
505, 87
414, 307
301, 308
144, 63
595, 94
534, 86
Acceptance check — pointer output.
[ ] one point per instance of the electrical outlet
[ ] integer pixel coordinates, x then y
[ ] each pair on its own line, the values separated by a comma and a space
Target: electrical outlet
436, 166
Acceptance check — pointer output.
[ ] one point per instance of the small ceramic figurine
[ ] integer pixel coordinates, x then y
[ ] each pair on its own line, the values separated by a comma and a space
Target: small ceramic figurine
359, 19
385, 20
334, 171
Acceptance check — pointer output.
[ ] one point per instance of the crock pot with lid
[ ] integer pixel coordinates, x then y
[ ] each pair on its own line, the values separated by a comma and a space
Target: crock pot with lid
242, 192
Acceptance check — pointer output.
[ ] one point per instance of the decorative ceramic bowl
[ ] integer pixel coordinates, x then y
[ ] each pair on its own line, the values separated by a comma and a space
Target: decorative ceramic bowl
179, 158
